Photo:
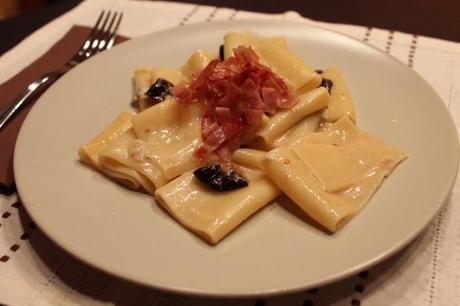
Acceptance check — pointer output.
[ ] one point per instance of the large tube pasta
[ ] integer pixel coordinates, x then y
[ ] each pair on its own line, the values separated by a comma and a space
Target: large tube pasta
235, 39
332, 174
196, 62
172, 133
126, 176
172, 75
210, 214
279, 123
274, 53
130, 152
302, 128
341, 100
89, 153
289, 174
249, 157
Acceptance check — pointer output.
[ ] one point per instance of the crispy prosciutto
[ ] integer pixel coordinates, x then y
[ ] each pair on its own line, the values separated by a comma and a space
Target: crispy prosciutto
237, 92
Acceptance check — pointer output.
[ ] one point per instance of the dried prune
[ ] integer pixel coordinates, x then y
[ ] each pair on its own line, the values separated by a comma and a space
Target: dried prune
208, 172
159, 90
219, 179
233, 180
327, 83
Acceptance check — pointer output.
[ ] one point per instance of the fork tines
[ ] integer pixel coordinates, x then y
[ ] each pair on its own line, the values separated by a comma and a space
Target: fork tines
102, 35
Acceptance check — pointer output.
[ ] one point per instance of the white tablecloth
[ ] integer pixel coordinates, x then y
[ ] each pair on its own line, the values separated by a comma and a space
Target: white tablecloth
34, 271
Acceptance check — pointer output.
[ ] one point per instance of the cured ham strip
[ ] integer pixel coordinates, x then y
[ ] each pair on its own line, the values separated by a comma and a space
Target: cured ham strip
237, 92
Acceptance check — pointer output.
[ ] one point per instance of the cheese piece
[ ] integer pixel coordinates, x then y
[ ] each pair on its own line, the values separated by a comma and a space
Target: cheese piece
89, 153
341, 100
210, 214
331, 175
279, 123
171, 132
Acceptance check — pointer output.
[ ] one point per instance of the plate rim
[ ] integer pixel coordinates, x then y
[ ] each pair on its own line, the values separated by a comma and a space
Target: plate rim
335, 277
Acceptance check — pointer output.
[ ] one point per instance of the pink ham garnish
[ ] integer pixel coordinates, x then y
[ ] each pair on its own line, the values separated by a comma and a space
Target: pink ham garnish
236, 93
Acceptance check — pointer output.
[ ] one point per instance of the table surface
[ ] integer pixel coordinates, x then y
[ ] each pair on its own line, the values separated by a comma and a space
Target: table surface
436, 18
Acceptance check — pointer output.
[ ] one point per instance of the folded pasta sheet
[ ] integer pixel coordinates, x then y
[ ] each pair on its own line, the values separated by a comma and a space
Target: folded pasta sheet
275, 53
275, 126
171, 132
211, 214
91, 153
332, 174
249, 157
127, 155
299, 130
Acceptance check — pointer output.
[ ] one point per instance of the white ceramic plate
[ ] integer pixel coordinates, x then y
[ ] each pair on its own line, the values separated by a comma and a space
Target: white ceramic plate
125, 233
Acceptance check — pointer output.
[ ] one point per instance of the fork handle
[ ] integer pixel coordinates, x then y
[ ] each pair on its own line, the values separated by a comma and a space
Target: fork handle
33, 89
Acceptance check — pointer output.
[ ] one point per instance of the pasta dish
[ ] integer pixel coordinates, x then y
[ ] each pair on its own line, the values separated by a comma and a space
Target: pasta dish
228, 132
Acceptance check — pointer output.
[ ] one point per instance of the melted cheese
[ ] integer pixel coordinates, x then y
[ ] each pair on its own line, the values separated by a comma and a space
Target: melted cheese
332, 174
210, 214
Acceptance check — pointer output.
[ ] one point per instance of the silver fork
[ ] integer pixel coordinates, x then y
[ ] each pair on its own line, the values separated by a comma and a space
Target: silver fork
101, 37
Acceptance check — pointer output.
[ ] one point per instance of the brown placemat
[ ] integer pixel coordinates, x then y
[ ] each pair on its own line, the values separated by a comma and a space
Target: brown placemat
53, 59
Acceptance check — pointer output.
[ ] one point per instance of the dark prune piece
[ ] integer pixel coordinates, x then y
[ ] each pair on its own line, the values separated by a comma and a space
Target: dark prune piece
217, 183
327, 83
159, 90
221, 53
207, 173
319, 71
233, 180
215, 177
